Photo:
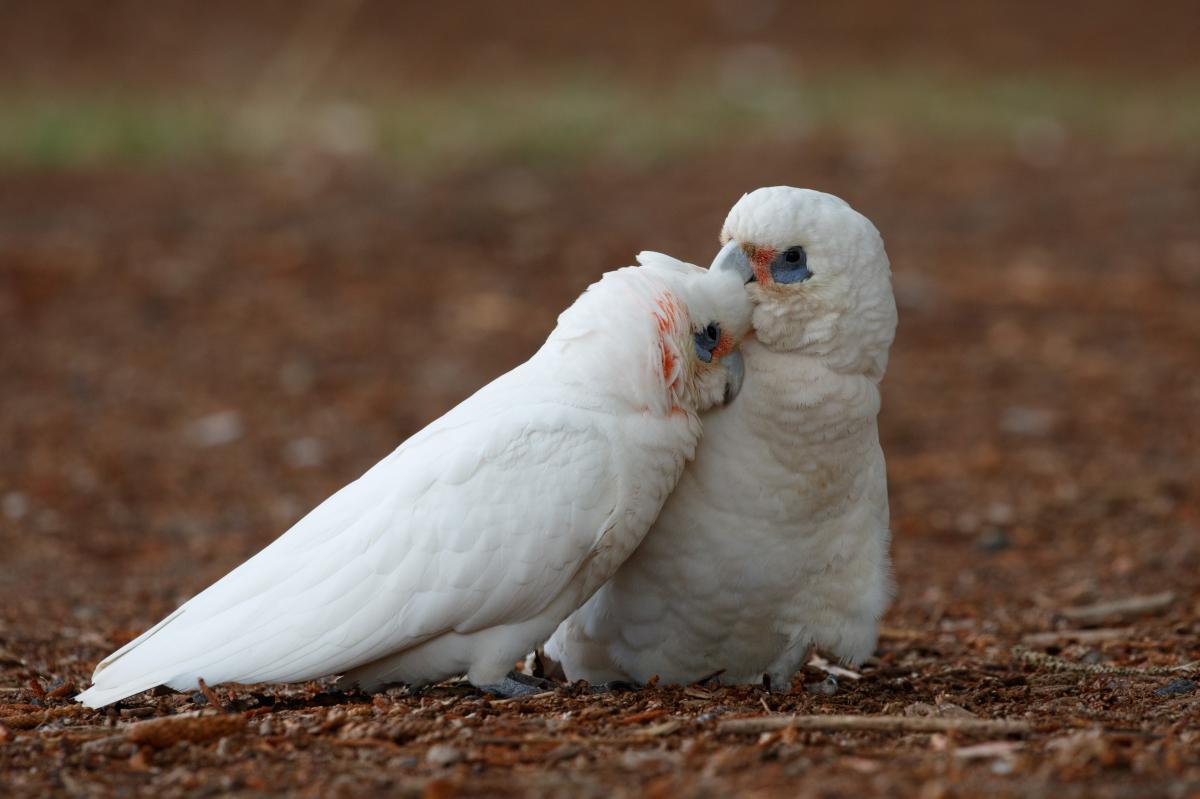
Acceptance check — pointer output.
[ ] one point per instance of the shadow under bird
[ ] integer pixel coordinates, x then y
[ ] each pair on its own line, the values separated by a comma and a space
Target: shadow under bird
464, 548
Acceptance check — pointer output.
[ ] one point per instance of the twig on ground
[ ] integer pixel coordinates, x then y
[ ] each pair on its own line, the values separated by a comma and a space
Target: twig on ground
1130, 606
752, 726
210, 694
164, 732
1082, 636
1054, 663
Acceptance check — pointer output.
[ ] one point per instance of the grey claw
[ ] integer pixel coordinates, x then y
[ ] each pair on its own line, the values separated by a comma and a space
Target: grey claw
516, 684
826, 687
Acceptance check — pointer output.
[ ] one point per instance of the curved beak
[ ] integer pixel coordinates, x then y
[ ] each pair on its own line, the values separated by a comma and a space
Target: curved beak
733, 259
735, 373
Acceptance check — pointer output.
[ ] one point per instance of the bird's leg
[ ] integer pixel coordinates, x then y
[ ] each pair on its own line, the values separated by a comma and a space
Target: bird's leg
778, 677
516, 684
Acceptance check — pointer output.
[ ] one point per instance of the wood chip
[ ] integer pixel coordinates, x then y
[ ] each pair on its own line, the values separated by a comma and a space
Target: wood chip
988, 750
8, 658
210, 694
62, 691
645, 715
98, 744
514, 699
942, 710
27, 721
1082, 636
753, 726
1130, 606
658, 730
164, 732
364, 742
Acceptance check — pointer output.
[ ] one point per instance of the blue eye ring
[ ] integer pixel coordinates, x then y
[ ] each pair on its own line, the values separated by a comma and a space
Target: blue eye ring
791, 266
707, 340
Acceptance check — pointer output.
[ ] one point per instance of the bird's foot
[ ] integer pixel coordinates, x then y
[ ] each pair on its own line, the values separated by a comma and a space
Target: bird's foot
516, 684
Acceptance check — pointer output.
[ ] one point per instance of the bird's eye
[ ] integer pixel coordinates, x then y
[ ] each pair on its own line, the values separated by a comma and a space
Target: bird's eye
706, 341
791, 266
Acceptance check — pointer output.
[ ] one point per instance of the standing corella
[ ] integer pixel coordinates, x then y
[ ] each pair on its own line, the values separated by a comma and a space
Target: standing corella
464, 548
776, 538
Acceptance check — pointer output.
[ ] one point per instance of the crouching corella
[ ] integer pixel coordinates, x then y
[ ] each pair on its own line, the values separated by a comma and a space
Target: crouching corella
465, 547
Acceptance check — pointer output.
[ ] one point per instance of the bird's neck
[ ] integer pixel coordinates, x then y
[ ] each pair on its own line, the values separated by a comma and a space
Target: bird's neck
803, 399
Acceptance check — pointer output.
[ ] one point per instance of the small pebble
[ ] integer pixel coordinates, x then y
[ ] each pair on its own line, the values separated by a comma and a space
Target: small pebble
993, 539
99, 744
1176, 688
15, 505
442, 755
216, 429
1027, 421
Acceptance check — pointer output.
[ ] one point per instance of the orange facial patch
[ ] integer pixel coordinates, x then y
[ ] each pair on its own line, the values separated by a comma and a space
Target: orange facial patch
724, 345
760, 261
668, 314
668, 360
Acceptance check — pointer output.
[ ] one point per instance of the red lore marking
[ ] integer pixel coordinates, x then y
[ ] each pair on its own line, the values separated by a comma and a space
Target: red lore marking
760, 261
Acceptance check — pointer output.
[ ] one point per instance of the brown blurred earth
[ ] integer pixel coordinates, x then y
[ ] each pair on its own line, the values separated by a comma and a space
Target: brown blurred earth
196, 354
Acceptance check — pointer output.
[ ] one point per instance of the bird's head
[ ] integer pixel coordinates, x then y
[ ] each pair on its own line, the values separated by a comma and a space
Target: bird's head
662, 337
702, 318
817, 274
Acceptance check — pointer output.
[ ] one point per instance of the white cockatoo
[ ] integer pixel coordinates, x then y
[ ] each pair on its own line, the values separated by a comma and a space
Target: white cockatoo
466, 547
776, 538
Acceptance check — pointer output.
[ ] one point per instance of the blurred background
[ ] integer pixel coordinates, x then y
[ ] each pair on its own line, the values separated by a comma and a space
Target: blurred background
247, 248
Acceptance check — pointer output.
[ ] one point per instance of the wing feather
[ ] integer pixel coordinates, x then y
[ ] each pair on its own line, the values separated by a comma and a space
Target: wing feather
480, 519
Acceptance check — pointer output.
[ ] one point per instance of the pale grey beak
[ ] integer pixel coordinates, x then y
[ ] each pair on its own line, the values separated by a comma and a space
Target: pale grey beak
735, 373
732, 258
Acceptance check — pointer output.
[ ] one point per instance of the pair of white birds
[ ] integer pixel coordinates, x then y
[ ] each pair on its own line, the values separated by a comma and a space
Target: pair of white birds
557, 506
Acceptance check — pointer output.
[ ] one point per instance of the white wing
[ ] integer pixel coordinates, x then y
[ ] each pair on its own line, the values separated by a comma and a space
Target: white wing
666, 263
482, 518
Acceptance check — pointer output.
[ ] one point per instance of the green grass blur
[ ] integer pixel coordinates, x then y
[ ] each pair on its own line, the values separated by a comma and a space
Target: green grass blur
571, 120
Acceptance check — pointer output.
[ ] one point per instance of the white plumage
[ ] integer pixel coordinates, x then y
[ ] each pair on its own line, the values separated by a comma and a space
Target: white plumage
466, 546
776, 538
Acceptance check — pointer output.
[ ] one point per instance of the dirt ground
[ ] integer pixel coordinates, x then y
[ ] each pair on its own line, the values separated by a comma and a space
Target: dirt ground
193, 355
223, 44
193, 359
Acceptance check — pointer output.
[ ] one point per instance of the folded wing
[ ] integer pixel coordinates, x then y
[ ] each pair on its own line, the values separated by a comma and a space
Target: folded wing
480, 519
